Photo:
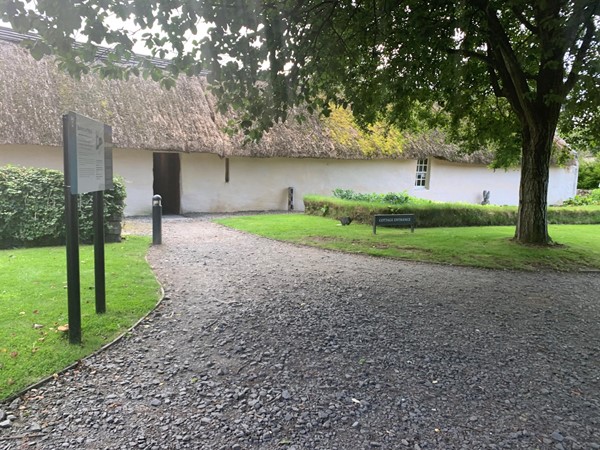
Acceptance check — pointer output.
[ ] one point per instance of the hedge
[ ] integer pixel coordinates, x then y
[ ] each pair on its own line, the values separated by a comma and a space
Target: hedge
32, 206
444, 214
589, 175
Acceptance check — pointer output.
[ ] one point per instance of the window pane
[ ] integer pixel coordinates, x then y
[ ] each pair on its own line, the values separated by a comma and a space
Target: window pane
421, 175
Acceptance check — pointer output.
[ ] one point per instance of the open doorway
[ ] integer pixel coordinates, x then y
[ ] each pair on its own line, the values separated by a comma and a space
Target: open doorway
167, 175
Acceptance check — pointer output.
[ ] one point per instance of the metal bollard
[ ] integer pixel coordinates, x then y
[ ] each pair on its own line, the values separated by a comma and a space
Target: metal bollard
156, 220
290, 198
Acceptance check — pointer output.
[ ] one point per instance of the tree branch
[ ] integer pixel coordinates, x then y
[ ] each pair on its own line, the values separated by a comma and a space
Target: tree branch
581, 52
306, 11
504, 60
521, 18
469, 54
577, 18
498, 90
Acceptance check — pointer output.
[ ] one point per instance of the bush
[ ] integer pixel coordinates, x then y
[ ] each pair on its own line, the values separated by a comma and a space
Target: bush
437, 214
32, 208
392, 198
589, 175
592, 198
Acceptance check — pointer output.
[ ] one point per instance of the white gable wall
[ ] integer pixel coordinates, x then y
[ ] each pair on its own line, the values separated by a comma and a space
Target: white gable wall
261, 183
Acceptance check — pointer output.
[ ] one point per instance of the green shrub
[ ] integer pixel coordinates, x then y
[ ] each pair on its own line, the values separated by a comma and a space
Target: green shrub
593, 198
392, 198
437, 214
32, 208
589, 175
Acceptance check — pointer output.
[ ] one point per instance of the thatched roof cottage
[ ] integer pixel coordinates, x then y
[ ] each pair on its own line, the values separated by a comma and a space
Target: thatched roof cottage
172, 143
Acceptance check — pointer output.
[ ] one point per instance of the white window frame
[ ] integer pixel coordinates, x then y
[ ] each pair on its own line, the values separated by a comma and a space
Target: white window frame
422, 174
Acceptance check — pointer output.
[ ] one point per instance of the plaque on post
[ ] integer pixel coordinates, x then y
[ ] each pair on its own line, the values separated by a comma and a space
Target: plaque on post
86, 154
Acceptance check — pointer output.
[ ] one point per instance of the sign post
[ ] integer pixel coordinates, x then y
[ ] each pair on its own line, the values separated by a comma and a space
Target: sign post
86, 157
99, 278
98, 220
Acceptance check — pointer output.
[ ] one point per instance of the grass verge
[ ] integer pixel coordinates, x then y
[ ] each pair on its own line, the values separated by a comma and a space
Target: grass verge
488, 247
33, 303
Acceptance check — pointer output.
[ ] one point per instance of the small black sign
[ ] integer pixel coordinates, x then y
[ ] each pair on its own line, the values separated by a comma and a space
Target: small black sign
394, 220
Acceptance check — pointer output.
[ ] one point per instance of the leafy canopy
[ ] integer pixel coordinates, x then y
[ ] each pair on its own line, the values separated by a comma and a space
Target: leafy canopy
476, 67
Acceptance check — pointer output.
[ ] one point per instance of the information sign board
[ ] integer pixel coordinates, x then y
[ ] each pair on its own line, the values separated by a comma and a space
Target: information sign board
108, 158
394, 220
86, 154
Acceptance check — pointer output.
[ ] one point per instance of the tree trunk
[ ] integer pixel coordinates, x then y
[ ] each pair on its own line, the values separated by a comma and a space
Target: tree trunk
532, 221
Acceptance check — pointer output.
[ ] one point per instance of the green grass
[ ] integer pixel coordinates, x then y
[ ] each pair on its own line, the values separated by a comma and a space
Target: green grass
489, 247
33, 291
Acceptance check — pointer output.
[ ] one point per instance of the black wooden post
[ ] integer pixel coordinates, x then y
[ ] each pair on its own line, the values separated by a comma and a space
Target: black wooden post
72, 245
99, 273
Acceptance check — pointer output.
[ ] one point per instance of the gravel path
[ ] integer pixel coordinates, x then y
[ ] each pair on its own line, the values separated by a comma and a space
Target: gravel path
265, 345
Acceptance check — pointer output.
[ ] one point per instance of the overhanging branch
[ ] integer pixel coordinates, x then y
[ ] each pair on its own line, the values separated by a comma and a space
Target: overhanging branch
505, 62
469, 54
526, 23
581, 52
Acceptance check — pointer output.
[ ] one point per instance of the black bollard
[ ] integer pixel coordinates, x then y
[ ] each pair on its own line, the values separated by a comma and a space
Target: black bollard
156, 220
290, 198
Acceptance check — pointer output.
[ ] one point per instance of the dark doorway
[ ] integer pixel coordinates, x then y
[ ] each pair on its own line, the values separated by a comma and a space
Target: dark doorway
167, 171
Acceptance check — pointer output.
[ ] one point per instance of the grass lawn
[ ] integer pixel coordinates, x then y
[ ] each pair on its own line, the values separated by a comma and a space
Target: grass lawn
490, 247
33, 303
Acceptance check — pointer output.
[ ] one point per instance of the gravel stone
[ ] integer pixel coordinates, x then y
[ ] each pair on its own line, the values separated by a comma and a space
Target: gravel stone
557, 436
265, 345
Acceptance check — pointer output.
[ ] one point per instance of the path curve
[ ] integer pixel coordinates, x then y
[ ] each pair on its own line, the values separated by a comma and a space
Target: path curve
266, 345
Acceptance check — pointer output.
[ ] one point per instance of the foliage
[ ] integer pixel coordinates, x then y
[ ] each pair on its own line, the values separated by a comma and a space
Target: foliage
114, 205
392, 198
33, 292
589, 175
383, 58
593, 198
489, 247
378, 138
32, 207
581, 136
438, 214
498, 73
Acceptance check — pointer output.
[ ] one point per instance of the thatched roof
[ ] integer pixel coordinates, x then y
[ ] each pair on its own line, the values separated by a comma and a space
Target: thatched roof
35, 94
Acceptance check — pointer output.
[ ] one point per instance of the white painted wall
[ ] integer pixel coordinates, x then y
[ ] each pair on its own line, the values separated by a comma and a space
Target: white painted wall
454, 183
450, 182
32, 156
261, 183
134, 166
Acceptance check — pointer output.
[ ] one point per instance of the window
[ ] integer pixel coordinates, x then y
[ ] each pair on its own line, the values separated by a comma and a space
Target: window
421, 179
